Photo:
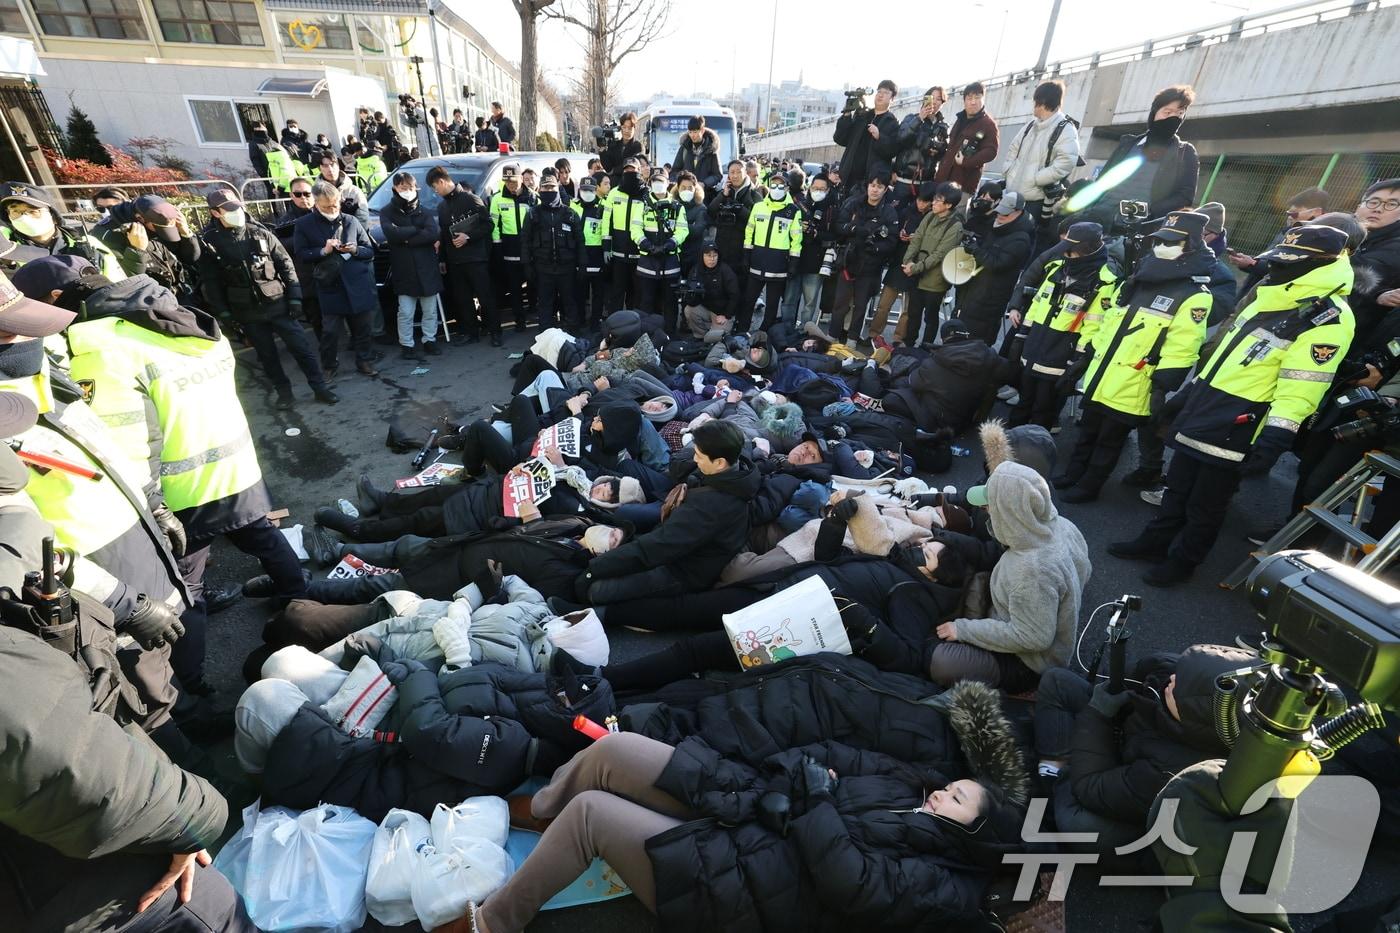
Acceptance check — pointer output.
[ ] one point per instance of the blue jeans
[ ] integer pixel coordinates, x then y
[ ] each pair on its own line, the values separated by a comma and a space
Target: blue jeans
408, 304
811, 298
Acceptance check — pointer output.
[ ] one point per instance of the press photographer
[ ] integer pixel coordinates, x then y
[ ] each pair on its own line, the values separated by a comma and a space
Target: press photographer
617, 143
868, 226
1001, 253
729, 213
973, 141
870, 134
923, 139
1042, 158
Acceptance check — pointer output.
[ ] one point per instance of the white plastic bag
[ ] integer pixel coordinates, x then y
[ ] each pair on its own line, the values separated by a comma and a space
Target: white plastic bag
394, 859
448, 878
474, 818
581, 634
308, 869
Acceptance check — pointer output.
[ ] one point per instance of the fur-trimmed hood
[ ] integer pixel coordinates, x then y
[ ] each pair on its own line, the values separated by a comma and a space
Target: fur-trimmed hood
1029, 444
781, 424
986, 737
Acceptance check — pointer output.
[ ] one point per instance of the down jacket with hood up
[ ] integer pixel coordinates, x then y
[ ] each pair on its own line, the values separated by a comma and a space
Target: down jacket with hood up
1038, 584
866, 856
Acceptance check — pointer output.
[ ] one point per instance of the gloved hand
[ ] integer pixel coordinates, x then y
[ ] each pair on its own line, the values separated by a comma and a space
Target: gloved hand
645, 246
607, 257
152, 624
1268, 447
365, 646
817, 782
1107, 704
774, 812
397, 671
1076, 367
488, 580
670, 246
1156, 402
172, 529
845, 509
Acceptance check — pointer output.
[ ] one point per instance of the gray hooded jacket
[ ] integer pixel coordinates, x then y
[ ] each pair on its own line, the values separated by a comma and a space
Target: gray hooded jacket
1038, 584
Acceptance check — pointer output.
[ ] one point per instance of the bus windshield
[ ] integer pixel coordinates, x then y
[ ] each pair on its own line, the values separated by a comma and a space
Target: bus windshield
668, 131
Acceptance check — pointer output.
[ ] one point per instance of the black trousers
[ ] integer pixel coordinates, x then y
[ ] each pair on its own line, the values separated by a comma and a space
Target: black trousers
772, 292
473, 298
414, 513
554, 298
656, 295
1039, 401
920, 306
512, 290
694, 654
593, 297
483, 446
1097, 446
259, 539
331, 326
262, 335
1062, 695
624, 285
1193, 507
855, 292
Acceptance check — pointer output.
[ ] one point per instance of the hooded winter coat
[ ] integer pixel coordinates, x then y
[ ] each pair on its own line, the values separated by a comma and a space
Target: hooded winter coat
948, 388
865, 856
1119, 765
701, 159
698, 538
1038, 583
982, 301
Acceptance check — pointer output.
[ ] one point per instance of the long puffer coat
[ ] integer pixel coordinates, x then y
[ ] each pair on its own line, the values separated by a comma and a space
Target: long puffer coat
411, 230
865, 857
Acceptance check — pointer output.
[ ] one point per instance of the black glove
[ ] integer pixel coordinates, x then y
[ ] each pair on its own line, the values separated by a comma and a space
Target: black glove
397, 671
1107, 704
670, 246
1268, 447
846, 509
152, 624
817, 782
1076, 367
1156, 402
488, 580
645, 246
361, 645
774, 812
172, 529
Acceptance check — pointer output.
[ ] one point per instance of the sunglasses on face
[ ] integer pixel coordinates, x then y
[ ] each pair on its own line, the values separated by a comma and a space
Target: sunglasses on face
301, 194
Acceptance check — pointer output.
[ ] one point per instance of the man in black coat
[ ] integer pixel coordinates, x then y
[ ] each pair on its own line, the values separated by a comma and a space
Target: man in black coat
729, 214
871, 138
465, 254
248, 275
623, 146
1376, 294
705, 527
950, 386
923, 139
698, 153
550, 249
869, 226
1167, 167
505, 129
981, 303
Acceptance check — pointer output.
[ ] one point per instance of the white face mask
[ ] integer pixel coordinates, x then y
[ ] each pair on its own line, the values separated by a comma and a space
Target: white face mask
333, 215
687, 196
1168, 251
232, 218
587, 197
818, 196
777, 194
410, 196
658, 188
38, 226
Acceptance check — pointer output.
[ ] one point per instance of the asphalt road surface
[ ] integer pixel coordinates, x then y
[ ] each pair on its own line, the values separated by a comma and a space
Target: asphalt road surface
335, 444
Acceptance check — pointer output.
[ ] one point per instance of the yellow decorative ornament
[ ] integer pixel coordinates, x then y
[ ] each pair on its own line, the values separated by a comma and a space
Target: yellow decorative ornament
305, 36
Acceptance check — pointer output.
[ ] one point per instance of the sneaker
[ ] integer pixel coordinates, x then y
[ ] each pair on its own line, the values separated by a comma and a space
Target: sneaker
262, 587
285, 400
325, 395
1143, 478
321, 549
1014, 399
411, 353
331, 372
1153, 496
430, 347
880, 343
336, 520
1054, 428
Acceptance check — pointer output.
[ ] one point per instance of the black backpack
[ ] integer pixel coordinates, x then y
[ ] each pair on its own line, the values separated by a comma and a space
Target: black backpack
680, 351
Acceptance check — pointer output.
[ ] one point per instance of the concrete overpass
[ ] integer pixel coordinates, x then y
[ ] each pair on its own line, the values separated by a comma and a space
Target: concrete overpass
1309, 94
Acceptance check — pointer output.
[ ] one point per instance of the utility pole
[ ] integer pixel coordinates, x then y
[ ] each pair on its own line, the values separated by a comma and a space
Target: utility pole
772, 45
1049, 35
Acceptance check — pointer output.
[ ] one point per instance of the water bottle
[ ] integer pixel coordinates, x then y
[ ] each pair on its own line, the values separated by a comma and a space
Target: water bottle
960, 451
348, 508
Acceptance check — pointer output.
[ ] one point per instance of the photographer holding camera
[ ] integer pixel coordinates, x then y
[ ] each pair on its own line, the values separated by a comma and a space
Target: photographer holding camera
923, 139
729, 213
871, 136
1042, 158
622, 145
868, 226
1167, 167
1001, 253
972, 142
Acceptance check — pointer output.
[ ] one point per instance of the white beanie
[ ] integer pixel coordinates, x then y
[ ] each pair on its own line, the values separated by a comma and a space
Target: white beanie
263, 711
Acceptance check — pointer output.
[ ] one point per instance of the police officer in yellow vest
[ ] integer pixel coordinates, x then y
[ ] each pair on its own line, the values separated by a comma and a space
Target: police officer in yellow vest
1248, 400
659, 229
772, 247
161, 376
1061, 320
594, 215
510, 213
625, 202
370, 170
1150, 338
29, 217
117, 530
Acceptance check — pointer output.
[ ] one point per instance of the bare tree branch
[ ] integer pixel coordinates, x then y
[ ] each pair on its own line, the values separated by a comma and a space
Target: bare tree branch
612, 30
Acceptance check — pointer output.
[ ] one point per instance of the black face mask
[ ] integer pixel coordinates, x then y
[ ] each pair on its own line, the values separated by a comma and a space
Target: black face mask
1163, 130
549, 198
1281, 273
22, 358
631, 183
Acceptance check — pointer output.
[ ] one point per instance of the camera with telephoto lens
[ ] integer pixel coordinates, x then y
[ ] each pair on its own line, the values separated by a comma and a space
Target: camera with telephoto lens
1375, 419
970, 241
856, 102
727, 213
832, 259
1353, 369
608, 132
1131, 212
692, 292
409, 110
1056, 190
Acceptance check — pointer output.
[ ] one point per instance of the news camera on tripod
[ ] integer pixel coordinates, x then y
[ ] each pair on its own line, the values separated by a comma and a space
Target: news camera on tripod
869, 132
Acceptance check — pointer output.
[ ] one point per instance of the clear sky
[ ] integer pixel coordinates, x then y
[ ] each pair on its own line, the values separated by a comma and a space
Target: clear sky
714, 45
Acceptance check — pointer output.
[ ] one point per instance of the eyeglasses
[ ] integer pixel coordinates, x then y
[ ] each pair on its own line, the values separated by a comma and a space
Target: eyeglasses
301, 194
1389, 204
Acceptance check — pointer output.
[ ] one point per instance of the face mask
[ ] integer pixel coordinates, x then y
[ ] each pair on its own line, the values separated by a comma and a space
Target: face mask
658, 188
333, 216
818, 196
22, 358
777, 194
1168, 251
232, 218
587, 197
409, 196
549, 198
1164, 129
687, 196
40, 226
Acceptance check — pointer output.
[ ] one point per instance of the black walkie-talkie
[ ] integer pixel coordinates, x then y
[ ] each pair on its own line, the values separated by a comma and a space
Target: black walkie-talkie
45, 593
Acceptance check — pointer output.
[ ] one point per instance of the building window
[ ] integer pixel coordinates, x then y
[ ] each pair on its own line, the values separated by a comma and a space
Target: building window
219, 121
11, 20
90, 19
208, 22
314, 32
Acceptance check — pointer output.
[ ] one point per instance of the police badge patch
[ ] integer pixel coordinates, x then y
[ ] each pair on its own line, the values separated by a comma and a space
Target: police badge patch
1322, 352
88, 387
1161, 303
1199, 314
